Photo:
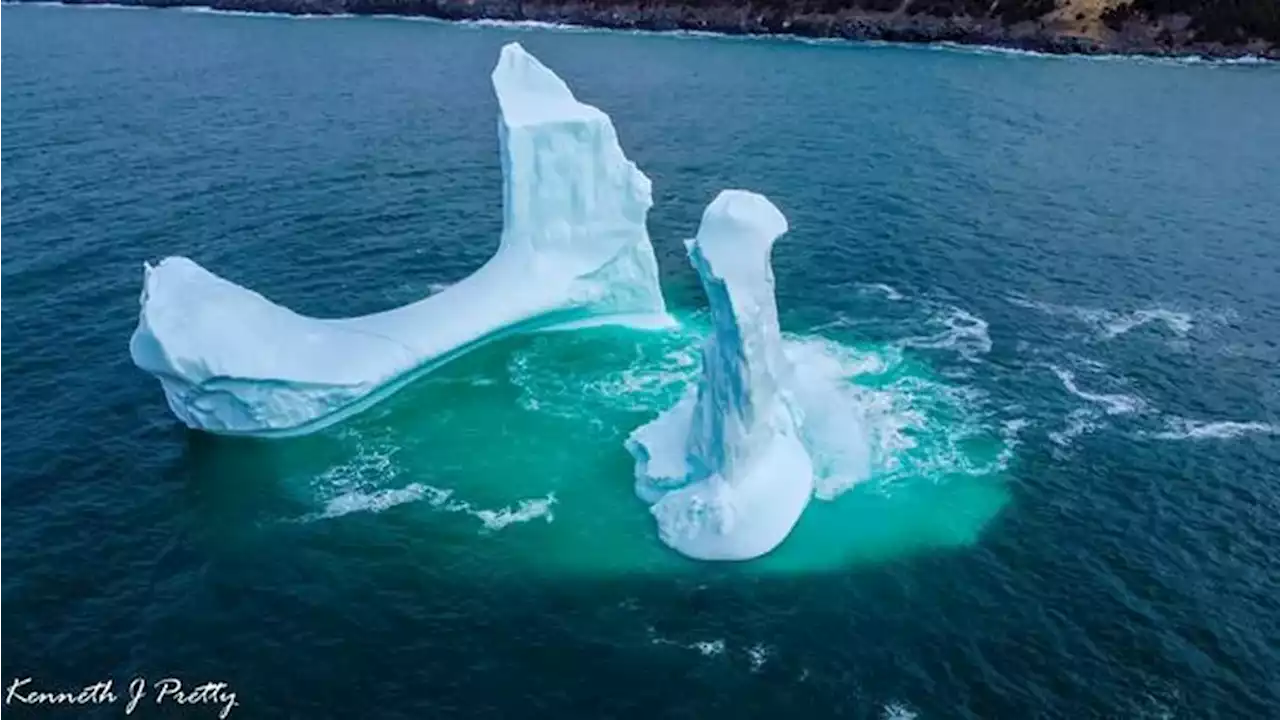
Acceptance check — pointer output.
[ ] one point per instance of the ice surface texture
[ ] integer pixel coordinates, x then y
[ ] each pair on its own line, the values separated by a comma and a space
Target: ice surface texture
574, 249
726, 470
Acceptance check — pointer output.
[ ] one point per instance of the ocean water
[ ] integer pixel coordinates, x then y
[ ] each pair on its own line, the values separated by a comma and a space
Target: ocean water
1045, 290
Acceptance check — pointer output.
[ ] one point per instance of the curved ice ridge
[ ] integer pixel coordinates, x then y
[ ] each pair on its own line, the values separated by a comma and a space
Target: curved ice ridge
726, 470
574, 248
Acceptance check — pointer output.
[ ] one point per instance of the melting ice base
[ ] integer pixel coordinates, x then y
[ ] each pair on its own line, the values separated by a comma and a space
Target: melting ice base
726, 469
730, 469
935, 476
574, 249
902, 461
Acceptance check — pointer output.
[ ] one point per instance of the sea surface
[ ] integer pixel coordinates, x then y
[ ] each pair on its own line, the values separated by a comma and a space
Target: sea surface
1044, 291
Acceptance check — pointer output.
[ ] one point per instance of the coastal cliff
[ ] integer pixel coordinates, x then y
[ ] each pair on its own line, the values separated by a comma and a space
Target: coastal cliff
1211, 28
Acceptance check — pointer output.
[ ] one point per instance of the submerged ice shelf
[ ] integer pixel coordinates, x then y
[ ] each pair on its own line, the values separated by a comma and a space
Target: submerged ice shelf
574, 249
726, 469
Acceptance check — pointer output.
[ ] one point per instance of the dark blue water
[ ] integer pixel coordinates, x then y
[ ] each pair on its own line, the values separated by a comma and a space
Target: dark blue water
1067, 269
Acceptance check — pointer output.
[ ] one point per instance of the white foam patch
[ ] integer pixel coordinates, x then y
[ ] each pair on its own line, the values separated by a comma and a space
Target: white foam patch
1170, 61
631, 385
200, 10
836, 42
644, 379
379, 500
1110, 324
360, 485
758, 654
865, 417
523, 25
1187, 429
1010, 433
850, 430
1111, 403
888, 292
524, 511
706, 648
1177, 322
709, 648
1161, 700
371, 464
862, 430
1079, 422
898, 711
962, 332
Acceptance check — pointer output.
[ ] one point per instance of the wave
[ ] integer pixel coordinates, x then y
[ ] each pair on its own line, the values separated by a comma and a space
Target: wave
653, 373
946, 46
1187, 429
870, 412
1111, 324
1177, 322
897, 711
526, 25
758, 654
707, 648
358, 485
957, 330
888, 291
1079, 422
1168, 60
203, 10
525, 510
1010, 433
1112, 403
874, 414
942, 45
964, 332
379, 500
376, 501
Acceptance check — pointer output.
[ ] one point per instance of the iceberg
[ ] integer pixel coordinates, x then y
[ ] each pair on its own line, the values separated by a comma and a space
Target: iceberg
574, 250
726, 470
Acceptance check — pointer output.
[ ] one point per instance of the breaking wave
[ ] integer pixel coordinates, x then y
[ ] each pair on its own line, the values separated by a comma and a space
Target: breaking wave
943, 46
871, 412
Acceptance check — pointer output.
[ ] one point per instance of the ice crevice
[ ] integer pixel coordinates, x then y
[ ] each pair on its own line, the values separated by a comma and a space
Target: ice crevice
574, 249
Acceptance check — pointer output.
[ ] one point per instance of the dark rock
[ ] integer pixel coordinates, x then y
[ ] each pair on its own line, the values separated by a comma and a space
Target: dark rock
1156, 27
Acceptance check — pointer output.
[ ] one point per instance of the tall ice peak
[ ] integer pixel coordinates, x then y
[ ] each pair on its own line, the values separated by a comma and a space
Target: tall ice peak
529, 92
725, 470
574, 250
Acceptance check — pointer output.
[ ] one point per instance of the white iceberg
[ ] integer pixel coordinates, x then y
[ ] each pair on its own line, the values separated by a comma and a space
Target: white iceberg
574, 250
726, 470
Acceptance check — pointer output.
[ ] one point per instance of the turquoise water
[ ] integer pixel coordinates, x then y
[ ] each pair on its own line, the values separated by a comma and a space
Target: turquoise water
1050, 285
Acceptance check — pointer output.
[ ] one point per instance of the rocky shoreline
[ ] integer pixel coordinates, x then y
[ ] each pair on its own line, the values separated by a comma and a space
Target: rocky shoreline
1088, 27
